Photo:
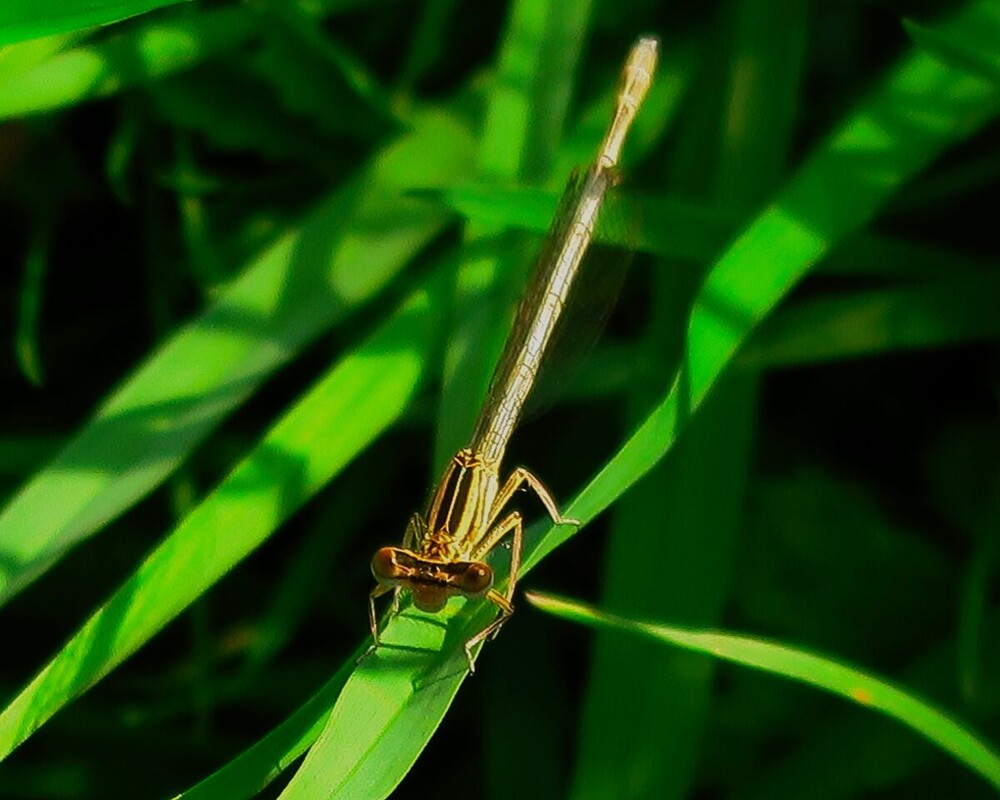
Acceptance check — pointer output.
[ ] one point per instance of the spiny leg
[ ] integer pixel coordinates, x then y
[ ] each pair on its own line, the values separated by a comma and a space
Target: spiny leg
511, 524
515, 480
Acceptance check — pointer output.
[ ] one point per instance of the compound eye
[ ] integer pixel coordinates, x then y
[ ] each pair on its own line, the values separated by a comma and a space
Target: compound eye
477, 579
385, 567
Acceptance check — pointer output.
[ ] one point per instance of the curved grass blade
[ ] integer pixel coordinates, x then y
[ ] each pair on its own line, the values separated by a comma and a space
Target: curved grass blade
880, 756
304, 450
340, 257
801, 665
920, 108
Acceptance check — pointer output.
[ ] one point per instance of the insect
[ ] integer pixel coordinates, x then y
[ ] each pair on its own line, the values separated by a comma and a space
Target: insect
443, 554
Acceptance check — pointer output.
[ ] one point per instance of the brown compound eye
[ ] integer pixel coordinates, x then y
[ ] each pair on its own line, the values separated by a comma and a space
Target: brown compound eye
476, 579
385, 567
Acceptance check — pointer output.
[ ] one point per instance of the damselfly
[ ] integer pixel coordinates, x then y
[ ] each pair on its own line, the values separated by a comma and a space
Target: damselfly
444, 554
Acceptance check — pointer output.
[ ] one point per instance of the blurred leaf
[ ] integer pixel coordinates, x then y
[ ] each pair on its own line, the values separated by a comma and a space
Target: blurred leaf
953, 311
28, 356
808, 534
972, 48
310, 72
525, 114
16, 58
151, 50
683, 230
697, 493
21, 455
961, 473
800, 665
234, 112
671, 551
26, 19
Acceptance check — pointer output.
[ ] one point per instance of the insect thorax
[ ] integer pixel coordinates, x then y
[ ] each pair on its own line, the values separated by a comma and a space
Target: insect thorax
460, 508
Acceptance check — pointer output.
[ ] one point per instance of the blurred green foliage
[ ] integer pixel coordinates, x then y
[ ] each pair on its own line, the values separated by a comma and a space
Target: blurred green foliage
261, 257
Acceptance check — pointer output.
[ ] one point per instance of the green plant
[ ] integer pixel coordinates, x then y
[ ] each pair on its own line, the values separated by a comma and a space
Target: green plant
295, 176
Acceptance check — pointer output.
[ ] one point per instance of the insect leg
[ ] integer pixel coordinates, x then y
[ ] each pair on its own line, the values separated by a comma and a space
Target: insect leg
511, 524
515, 481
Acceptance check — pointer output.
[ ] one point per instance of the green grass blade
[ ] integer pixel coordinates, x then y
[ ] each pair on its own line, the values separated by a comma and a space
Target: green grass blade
392, 704
687, 231
383, 718
340, 257
303, 451
801, 665
154, 49
880, 756
21, 20
671, 551
922, 106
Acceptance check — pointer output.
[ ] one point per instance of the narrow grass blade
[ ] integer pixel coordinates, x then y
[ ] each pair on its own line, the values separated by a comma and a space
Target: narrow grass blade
800, 665
655, 699
535, 72
697, 493
881, 757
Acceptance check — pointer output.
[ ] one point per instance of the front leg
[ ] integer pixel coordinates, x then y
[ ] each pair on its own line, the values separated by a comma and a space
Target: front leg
518, 478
